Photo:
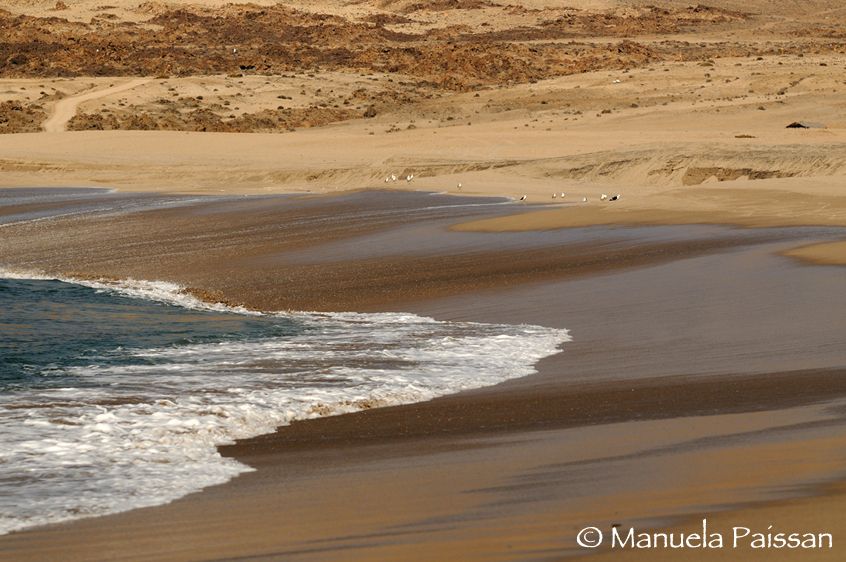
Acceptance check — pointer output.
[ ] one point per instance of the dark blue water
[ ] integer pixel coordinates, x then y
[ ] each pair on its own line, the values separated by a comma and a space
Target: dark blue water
48, 326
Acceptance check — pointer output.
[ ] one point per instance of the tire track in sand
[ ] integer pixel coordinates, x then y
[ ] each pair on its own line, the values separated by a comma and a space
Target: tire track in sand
65, 109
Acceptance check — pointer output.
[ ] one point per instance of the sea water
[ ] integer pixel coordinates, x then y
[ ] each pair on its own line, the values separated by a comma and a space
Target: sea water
115, 395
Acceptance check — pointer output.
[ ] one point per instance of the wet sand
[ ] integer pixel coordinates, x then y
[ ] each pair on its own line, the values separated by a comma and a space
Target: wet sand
705, 375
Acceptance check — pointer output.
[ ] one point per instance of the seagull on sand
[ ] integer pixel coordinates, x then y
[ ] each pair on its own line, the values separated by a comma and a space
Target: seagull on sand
459, 186
603, 197
409, 177
393, 177
584, 199
554, 195
614, 197
563, 195
524, 198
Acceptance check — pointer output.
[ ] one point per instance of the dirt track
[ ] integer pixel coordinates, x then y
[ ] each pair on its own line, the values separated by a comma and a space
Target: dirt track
65, 109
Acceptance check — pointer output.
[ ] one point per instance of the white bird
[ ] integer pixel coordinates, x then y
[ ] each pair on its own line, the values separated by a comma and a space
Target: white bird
234, 51
603, 197
563, 195
409, 177
387, 179
554, 195
459, 186
524, 198
393, 177
617, 81
584, 199
614, 197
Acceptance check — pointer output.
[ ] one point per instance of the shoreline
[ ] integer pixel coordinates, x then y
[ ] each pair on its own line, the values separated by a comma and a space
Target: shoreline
462, 428
479, 411
671, 198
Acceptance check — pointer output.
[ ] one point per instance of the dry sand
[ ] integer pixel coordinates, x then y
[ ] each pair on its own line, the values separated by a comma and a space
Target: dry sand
676, 163
686, 121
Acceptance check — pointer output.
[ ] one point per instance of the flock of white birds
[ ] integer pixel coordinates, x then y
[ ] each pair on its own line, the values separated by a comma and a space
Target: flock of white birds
394, 177
604, 197
562, 195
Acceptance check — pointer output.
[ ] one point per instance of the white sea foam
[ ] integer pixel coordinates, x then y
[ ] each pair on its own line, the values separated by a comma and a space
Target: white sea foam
146, 432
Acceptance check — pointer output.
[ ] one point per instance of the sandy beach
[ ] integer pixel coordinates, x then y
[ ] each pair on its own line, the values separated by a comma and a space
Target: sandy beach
371, 157
653, 422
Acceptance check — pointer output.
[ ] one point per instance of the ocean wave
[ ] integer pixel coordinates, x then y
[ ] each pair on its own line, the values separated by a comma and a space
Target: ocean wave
141, 426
